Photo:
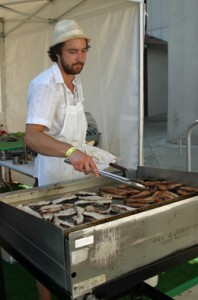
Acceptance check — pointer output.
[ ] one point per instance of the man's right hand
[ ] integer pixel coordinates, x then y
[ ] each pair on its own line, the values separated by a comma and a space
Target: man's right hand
83, 163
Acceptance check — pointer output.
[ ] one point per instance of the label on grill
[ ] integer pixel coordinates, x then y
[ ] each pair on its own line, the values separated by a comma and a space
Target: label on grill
84, 241
86, 286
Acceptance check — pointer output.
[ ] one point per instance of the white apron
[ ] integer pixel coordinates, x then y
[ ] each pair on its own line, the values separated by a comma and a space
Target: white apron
51, 170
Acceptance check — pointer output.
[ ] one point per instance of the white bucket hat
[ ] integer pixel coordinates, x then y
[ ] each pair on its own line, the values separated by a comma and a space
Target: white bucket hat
67, 30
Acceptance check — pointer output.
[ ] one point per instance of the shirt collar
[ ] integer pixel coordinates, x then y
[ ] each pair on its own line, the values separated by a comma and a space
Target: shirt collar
57, 73
58, 76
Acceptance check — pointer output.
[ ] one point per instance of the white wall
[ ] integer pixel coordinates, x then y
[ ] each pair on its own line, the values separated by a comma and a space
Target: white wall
157, 59
176, 22
157, 68
183, 68
157, 21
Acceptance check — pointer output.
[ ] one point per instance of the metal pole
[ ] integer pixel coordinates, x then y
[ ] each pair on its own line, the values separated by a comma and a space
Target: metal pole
188, 139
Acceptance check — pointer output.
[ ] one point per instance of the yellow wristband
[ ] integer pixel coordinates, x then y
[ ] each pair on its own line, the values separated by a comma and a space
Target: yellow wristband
70, 151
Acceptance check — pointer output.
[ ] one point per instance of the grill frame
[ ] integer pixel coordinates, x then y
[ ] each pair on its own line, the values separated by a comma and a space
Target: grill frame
57, 265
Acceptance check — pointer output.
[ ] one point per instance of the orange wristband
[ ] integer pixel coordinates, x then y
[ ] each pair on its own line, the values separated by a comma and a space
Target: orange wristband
70, 151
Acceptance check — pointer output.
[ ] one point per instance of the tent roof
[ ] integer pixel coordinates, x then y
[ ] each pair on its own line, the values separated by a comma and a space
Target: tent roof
17, 12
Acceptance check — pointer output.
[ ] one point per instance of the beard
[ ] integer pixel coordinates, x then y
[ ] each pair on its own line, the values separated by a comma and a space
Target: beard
73, 69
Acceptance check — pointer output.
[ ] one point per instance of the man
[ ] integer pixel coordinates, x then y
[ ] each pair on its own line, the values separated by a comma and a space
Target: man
56, 124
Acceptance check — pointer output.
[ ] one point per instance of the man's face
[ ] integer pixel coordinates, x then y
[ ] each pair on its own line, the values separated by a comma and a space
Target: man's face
73, 56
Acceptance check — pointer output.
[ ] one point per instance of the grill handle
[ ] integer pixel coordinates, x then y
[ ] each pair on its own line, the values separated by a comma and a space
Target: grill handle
121, 168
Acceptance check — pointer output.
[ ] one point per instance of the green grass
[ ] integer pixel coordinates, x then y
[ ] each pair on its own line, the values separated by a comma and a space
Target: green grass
177, 276
20, 284
179, 279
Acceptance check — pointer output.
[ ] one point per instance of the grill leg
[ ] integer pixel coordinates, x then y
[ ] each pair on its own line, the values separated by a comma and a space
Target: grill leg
2, 285
153, 293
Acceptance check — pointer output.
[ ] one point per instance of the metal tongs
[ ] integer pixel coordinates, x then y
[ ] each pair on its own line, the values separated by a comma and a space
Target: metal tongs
136, 184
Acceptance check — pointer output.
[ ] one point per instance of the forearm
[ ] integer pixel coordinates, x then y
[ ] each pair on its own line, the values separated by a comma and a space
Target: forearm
40, 142
44, 144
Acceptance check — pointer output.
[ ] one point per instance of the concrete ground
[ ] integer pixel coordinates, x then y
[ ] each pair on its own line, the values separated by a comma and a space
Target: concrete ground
159, 153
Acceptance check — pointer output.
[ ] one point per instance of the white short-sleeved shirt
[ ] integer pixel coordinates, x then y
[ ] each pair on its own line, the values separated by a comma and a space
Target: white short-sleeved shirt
47, 99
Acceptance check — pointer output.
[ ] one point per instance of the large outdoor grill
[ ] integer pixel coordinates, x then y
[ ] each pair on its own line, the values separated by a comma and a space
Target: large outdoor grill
88, 258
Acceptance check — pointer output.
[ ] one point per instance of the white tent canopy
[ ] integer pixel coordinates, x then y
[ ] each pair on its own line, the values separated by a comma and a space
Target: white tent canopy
112, 76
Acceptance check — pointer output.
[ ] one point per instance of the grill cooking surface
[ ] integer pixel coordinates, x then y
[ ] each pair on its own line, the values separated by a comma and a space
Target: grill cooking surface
73, 209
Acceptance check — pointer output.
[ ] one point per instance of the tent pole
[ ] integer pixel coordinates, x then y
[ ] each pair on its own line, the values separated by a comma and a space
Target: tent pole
1, 65
141, 88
